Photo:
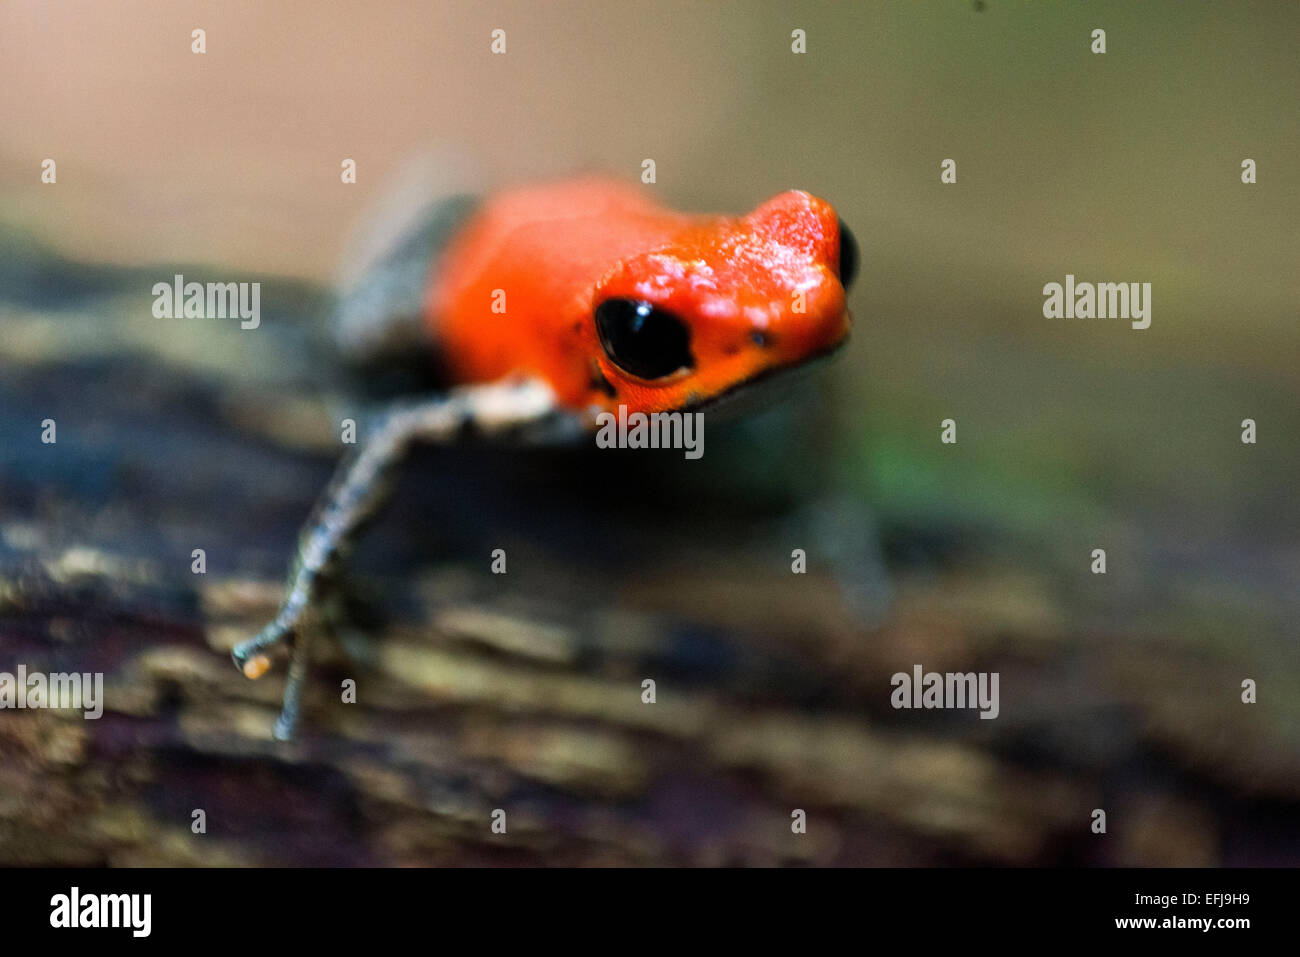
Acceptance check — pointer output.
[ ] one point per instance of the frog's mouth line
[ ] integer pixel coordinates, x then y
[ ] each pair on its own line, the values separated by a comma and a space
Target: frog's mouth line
757, 391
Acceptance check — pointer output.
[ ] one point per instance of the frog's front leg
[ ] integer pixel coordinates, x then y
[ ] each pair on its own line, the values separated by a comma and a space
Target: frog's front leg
356, 493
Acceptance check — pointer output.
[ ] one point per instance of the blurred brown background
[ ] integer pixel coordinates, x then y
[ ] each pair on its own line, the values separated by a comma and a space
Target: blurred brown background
1119, 692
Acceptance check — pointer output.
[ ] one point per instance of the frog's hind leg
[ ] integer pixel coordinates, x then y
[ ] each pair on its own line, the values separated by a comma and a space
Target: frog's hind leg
355, 494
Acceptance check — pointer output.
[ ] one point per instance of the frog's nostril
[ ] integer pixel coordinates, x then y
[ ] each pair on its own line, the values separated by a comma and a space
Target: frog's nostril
848, 256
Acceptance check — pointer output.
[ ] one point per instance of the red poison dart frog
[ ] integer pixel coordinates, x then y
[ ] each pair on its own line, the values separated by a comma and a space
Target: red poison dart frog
548, 305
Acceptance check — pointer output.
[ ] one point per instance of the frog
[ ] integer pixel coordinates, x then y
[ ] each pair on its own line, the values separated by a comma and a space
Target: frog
544, 308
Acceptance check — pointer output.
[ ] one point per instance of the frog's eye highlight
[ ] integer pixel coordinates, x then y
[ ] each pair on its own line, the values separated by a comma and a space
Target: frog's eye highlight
642, 339
848, 257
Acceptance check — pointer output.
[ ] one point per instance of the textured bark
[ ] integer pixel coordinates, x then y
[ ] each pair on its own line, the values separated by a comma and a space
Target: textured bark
523, 691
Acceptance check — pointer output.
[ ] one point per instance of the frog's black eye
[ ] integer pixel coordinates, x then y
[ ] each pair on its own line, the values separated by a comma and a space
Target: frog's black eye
642, 339
848, 257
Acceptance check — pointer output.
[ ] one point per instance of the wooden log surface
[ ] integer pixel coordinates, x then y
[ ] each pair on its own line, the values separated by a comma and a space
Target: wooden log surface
523, 691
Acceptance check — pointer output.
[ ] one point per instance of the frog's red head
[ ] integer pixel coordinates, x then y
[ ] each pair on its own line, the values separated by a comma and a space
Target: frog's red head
726, 302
